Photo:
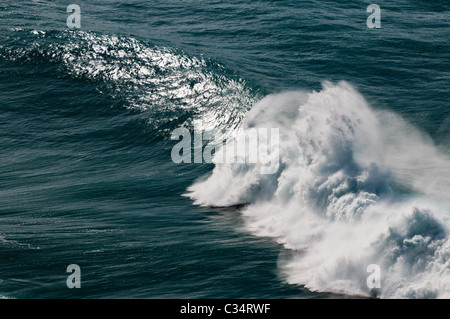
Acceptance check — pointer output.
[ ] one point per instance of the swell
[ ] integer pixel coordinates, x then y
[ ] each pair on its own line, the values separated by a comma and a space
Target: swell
354, 187
171, 87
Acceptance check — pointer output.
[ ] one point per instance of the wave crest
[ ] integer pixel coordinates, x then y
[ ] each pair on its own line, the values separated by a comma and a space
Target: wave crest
172, 87
351, 191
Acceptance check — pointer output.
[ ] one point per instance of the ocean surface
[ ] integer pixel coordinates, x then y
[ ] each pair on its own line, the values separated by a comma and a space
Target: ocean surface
87, 178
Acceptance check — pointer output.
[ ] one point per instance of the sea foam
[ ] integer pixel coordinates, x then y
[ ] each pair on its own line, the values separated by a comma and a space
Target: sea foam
355, 186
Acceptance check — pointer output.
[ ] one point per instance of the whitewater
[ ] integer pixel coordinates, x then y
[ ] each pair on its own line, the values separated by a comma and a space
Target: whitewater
355, 186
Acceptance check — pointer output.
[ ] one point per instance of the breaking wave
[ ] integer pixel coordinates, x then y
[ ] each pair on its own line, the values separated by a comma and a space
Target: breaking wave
355, 186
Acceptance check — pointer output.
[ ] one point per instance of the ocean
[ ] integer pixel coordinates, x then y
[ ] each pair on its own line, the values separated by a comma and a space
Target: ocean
87, 175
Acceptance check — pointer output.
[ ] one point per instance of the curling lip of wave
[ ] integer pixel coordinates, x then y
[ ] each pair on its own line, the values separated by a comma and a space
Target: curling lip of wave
355, 187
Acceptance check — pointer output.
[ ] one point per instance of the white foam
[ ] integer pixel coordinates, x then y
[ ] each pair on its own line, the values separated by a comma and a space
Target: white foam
355, 187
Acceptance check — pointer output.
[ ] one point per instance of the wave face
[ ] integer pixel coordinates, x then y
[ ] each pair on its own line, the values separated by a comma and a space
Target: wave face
355, 187
172, 87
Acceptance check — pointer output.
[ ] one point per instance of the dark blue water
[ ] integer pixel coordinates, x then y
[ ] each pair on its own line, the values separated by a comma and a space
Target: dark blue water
86, 175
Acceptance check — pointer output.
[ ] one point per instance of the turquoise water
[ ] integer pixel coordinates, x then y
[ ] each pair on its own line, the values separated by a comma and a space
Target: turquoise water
86, 175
